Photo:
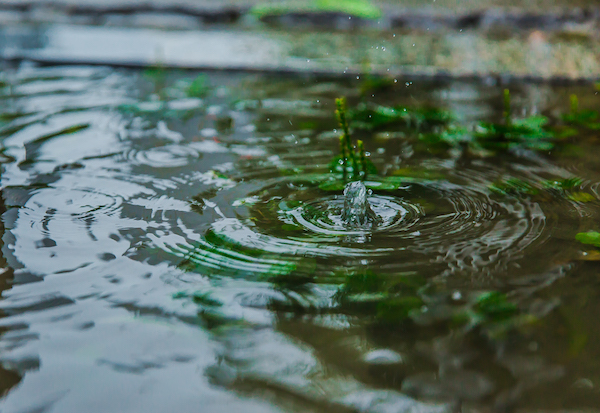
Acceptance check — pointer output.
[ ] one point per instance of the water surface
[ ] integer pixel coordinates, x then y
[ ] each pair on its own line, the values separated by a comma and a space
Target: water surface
174, 245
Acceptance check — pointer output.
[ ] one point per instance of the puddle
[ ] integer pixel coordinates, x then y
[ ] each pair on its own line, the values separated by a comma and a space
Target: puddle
173, 241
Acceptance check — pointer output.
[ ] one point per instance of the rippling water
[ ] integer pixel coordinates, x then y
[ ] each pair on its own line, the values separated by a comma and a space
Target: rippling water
172, 253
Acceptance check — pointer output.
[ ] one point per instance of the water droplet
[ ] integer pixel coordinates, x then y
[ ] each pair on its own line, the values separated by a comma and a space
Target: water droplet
456, 295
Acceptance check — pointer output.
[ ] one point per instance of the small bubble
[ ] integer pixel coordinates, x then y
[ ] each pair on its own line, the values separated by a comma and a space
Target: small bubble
456, 295
357, 77
413, 44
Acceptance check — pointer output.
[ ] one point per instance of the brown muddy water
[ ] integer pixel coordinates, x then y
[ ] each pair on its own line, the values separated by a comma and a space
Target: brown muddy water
173, 242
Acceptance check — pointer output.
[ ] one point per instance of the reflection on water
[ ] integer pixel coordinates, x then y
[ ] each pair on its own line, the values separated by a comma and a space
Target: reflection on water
166, 251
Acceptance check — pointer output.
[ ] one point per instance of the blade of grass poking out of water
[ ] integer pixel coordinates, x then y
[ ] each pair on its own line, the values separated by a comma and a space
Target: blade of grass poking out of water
363, 160
341, 114
360, 165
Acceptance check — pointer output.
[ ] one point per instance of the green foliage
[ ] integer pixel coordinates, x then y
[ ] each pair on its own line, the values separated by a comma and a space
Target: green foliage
590, 237
529, 132
358, 8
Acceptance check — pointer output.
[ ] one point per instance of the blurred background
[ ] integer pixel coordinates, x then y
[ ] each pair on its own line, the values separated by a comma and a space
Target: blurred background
535, 39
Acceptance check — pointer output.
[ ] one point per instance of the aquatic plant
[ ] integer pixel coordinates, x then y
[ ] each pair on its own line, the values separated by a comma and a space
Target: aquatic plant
590, 238
350, 161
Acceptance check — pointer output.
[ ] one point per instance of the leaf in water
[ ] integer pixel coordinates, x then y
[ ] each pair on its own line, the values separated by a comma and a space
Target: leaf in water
590, 237
581, 197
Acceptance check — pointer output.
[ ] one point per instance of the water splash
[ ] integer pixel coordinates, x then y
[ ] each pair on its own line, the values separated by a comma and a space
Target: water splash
357, 210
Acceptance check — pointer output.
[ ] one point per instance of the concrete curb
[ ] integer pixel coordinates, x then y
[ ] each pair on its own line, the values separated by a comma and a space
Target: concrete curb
403, 57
